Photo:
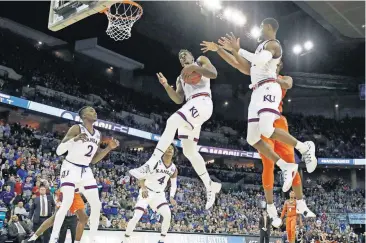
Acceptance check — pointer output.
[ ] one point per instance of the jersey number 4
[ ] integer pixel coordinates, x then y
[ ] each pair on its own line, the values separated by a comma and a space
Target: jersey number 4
161, 180
90, 151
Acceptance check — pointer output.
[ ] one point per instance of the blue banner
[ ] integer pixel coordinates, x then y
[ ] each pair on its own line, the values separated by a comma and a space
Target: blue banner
357, 218
11, 100
329, 161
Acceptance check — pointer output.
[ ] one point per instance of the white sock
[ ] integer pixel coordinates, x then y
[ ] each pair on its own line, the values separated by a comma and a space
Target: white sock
301, 147
133, 221
76, 241
197, 161
280, 163
34, 237
162, 238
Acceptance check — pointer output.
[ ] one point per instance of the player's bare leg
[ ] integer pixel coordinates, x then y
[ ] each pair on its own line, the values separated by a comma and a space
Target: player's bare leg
44, 226
199, 165
82, 221
288, 169
307, 149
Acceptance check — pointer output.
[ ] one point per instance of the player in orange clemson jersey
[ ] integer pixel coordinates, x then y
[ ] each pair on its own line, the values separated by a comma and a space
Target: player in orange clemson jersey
77, 207
286, 152
289, 209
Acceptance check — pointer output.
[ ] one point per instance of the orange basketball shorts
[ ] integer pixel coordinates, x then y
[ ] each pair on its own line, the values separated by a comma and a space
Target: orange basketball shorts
77, 204
291, 228
285, 151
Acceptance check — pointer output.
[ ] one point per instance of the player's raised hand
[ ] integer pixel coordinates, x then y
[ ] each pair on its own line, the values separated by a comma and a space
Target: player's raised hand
113, 143
224, 43
173, 202
209, 46
162, 79
81, 137
232, 42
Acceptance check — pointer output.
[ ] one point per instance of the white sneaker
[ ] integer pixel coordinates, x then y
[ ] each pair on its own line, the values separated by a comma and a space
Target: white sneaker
288, 172
302, 208
272, 213
211, 194
309, 157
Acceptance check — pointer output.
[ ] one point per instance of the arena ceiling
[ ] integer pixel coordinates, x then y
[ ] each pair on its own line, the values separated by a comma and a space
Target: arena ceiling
341, 18
168, 26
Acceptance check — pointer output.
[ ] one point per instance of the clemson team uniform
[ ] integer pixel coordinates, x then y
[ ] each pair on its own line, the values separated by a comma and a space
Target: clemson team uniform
289, 208
286, 152
77, 203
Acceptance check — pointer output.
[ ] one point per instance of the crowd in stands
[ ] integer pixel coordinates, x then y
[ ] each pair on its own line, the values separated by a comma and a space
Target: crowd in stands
26, 165
344, 138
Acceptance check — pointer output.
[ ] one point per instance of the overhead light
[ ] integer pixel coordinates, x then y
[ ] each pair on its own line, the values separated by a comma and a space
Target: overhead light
111, 68
336, 105
289, 100
255, 32
226, 103
363, 26
40, 42
308, 45
235, 16
212, 5
297, 49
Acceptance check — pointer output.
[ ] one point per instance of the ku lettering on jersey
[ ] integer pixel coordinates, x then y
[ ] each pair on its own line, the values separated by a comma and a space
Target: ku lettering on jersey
197, 109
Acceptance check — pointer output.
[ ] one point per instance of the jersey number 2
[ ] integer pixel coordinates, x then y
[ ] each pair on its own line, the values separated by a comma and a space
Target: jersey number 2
90, 151
161, 180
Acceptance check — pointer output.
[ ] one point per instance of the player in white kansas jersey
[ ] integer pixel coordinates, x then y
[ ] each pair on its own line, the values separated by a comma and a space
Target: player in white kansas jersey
188, 119
82, 144
265, 100
153, 179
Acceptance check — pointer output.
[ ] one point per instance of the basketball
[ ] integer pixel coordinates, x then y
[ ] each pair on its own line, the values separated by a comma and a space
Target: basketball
194, 78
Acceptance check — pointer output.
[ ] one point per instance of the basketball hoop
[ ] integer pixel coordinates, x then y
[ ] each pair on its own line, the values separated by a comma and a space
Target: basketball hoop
121, 17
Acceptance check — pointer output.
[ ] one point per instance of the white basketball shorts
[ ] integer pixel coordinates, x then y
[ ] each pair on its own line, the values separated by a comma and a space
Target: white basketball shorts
195, 112
266, 98
154, 200
77, 176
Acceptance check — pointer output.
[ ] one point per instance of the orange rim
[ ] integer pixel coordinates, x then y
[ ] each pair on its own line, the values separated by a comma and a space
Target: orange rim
140, 11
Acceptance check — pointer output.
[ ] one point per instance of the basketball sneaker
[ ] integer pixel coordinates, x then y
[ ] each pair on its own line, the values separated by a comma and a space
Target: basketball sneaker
302, 208
288, 172
211, 194
309, 157
272, 213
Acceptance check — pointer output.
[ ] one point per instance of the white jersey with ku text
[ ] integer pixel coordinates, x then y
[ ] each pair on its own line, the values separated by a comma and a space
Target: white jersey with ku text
159, 175
191, 89
267, 71
82, 153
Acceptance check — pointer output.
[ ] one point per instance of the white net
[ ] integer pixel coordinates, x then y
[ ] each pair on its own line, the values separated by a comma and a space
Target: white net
121, 18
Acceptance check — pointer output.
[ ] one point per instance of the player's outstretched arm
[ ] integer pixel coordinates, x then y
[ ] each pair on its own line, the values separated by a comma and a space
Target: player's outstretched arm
175, 95
101, 153
285, 82
224, 54
206, 69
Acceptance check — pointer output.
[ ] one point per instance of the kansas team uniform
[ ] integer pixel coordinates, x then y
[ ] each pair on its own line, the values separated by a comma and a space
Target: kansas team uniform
156, 181
267, 93
197, 109
75, 170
